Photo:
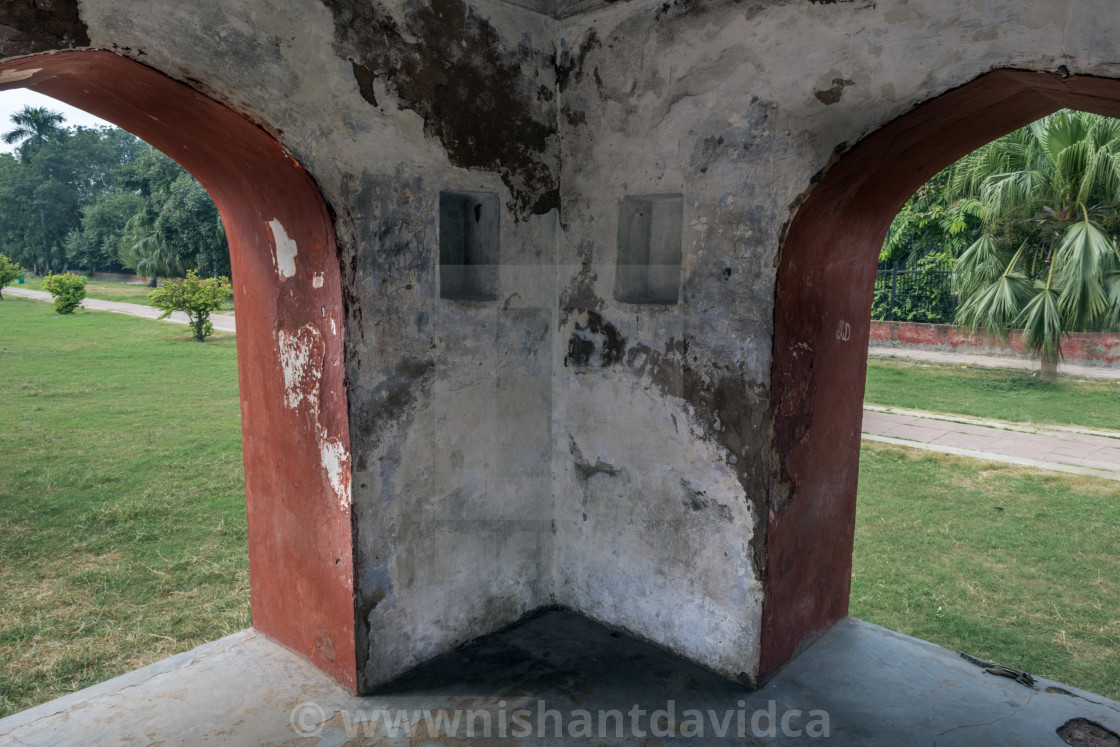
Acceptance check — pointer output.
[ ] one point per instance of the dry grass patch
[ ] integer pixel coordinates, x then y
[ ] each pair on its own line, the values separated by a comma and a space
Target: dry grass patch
122, 513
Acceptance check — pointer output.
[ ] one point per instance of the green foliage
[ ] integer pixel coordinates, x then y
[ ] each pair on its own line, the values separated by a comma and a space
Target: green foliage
34, 126
1048, 261
68, 291
45, 188
9, 271
918, 291
189, 221
179, 225
197, 298
69, 193
927, 234
932, 223
144, 248
96, 243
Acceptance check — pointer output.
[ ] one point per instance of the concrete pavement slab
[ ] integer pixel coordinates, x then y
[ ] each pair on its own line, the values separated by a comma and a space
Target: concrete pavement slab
858, 684
1096, 453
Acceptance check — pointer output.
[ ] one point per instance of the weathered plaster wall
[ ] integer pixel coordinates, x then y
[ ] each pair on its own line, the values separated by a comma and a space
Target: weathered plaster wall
451, 399
669, 426
556, 446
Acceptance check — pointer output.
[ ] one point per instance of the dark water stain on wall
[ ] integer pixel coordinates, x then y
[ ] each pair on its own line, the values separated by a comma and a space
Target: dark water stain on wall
451, 66
393, 399
595, 342
580, 293
830, 96
30, 26
728, 410
569, 63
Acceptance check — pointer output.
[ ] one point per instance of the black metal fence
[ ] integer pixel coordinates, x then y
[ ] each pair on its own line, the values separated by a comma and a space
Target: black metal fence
914, 294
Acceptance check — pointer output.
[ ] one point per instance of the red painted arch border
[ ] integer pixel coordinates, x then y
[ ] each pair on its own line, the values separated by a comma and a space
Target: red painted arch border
821, 325
288, 295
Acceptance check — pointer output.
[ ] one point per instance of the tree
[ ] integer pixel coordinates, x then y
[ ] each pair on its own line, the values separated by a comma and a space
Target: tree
179, 228
95, 245
189, 219
1047, 263
58, 171
51, 199
9, 271
68, 195
68, 291
197, 298
34, 126
933, 224
144, 248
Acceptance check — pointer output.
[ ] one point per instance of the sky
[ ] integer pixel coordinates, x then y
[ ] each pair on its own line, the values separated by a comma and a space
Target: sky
14, 100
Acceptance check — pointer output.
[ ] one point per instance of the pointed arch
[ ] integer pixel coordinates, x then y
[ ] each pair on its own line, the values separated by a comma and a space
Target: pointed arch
288, 295
822, 314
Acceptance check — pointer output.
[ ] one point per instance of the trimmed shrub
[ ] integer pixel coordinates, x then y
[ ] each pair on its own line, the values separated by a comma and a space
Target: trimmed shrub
68, 291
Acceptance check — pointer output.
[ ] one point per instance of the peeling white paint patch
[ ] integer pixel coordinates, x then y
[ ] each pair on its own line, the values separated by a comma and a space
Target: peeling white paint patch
299, 353
284, 257
10, 76
336, 462
301, 360
334, 328
317, 280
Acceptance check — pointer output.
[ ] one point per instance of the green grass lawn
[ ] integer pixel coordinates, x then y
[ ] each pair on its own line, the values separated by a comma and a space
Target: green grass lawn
123, 541
122, 510
1005, 563
112, 290
991, 393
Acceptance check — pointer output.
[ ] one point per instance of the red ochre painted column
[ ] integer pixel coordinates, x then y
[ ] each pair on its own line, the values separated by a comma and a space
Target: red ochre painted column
821, 326
287, 289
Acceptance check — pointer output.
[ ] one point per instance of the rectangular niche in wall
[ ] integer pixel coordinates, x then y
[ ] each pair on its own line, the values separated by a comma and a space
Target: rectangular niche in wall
468, 245
649, 249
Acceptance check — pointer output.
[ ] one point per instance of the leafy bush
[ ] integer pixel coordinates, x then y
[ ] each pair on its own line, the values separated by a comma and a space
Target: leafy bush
918, 291
195, 297
9, 271
68, 291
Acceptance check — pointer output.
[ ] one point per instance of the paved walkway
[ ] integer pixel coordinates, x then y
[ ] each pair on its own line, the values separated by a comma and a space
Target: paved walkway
992, 361
1080, 451
223, 322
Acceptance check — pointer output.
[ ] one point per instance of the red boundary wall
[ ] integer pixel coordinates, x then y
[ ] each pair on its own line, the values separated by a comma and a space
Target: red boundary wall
1094, 349
118, 277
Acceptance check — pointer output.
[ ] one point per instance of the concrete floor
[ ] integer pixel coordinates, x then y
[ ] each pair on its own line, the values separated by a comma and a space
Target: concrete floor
859, 683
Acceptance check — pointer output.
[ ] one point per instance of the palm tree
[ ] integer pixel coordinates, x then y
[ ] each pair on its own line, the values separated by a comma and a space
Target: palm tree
34, 126
144, 248
1044, 264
